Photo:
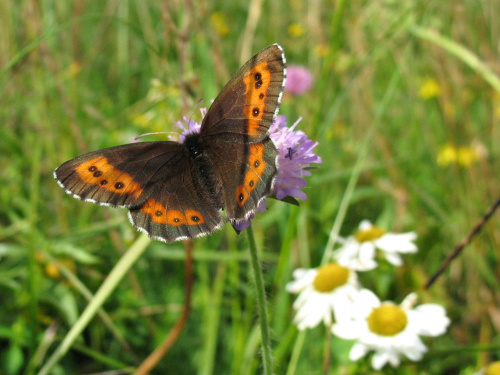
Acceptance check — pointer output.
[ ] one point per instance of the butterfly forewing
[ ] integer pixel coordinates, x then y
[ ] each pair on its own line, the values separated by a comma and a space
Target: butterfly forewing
250, 100
237, 139
121, 176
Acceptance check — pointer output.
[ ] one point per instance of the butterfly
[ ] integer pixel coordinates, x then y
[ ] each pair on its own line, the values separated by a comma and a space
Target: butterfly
177, 190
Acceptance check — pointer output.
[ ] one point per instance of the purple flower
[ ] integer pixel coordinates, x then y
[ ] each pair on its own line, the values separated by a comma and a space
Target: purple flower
298, 80
295, 154
189, 127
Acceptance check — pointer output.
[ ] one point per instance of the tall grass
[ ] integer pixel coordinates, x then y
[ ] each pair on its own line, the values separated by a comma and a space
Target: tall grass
77, 76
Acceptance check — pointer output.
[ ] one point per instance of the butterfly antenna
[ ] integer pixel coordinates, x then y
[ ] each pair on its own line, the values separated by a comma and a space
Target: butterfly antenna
154, 133
195, 107
176, 133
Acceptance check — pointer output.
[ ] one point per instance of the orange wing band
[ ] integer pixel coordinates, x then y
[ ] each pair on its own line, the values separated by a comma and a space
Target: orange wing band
160, 215
100, 172
253, 175
257, 81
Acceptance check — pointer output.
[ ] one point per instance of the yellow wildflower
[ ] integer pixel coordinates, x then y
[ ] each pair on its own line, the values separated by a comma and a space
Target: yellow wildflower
447, 155
51, 270
321, 50
466, 156
463, 156
218, 21
295, 30
429, 89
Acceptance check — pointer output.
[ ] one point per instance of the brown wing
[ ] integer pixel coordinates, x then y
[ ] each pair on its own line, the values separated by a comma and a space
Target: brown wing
249, 102
122, 176
235, 136
247, 173
155, 180
179, 208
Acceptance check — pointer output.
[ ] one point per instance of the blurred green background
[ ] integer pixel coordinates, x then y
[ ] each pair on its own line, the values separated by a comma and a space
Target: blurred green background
76, 76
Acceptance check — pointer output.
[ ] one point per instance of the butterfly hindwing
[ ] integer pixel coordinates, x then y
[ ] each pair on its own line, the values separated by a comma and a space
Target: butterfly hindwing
180, 208
247, 173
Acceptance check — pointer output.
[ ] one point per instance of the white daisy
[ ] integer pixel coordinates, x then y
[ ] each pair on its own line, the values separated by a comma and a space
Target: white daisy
389, 330
324, 291
492, 369
358, 251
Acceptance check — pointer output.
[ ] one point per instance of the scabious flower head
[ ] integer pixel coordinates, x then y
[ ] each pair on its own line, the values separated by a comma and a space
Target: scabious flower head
295, 155
391, 331
324, 292
188, 127
358, 251
298, 80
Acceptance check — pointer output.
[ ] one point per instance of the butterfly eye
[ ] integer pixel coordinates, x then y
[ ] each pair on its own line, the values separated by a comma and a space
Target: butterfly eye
255, 112
97, 174
261, 96
257, 76
119, 185
104, 182
258, 84
93, 168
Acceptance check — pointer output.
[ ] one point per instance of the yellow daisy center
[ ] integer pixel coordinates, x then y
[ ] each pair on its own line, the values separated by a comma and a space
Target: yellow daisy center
493, 368
370, 234
330, 277
387, 320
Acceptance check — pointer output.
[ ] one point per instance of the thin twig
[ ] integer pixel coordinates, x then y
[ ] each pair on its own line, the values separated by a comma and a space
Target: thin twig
327, 351
464, 243
155, 357
182, 45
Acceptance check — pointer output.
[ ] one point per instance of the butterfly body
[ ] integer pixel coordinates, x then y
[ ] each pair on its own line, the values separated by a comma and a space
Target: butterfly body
176, 190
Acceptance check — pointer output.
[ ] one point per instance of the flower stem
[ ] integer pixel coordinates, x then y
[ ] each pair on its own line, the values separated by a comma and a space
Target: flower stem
261, 303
